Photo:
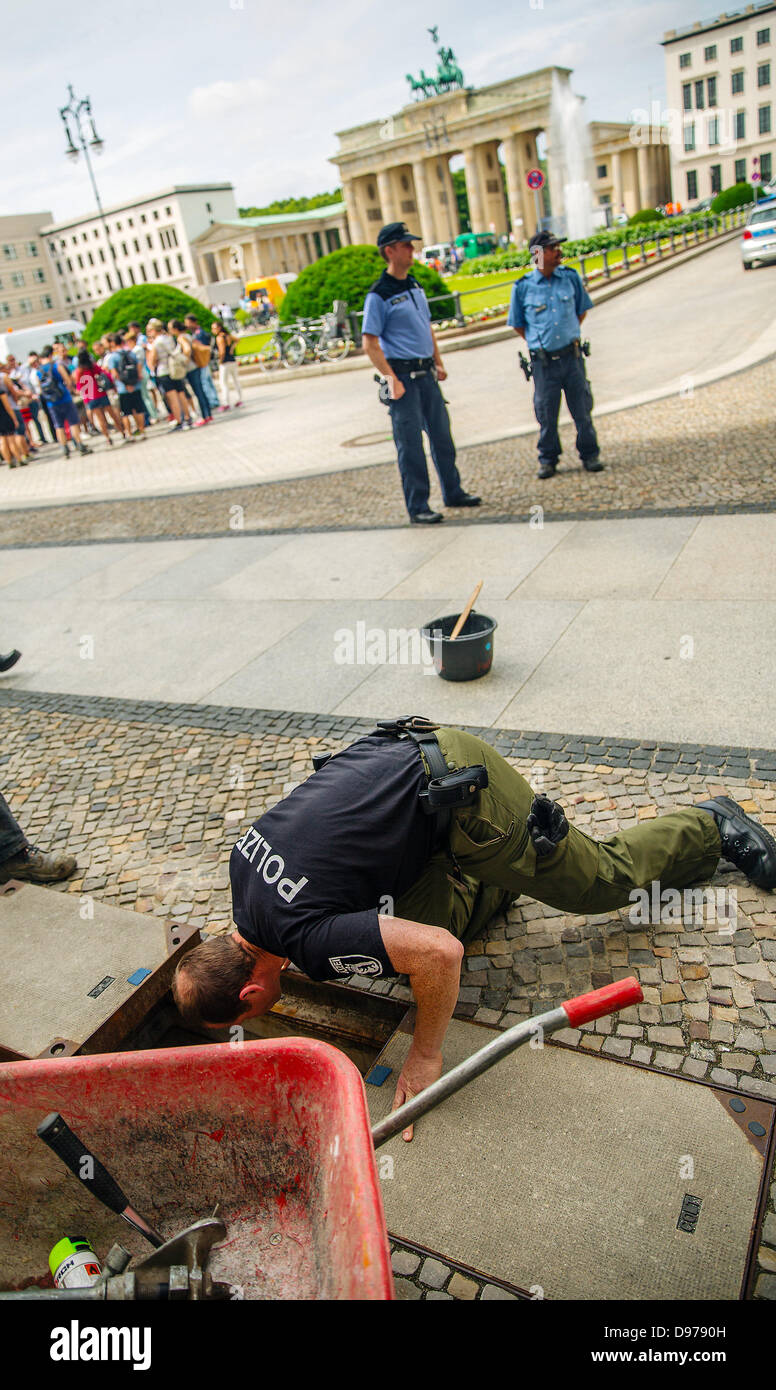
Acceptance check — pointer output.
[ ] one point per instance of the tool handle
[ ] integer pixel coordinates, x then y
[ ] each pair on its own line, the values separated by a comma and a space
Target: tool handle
464, 615
55, 1132
599, 1002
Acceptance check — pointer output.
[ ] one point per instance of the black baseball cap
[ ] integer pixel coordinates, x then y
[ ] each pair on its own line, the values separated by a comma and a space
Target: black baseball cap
395, 231
545, 239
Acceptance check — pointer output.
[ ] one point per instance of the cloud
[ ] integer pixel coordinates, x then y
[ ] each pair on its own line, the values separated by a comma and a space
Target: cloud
227, 98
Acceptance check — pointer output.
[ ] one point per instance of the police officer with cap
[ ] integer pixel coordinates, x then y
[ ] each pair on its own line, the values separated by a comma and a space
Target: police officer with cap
547, 309
400, 342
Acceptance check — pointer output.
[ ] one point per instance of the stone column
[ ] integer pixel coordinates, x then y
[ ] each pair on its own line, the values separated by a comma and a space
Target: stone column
385, 192
353, 212
420, 174
301, 259
473, 189
522, 203
449, 220
617, 180
645, 182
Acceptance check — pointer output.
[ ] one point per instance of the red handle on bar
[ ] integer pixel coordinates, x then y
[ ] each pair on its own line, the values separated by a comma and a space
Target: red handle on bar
599, 1002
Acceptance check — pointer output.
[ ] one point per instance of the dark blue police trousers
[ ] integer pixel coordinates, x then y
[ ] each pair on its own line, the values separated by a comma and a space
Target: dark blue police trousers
566, 374
422, 408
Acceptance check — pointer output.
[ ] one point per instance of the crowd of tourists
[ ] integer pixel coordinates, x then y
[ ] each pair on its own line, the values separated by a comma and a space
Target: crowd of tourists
119, 387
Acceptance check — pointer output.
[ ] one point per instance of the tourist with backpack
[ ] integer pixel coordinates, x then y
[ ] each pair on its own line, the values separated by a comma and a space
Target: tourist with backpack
124, 369
193, 371
55, 386
227, 363
168, 365
93, 385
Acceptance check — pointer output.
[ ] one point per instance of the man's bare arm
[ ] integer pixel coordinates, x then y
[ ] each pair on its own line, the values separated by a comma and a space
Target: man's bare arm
431, 957
371, 345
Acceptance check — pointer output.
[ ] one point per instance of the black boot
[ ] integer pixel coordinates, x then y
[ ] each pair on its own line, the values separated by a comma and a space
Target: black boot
745, 843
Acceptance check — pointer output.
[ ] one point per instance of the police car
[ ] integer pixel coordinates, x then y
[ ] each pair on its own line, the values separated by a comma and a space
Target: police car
758, 242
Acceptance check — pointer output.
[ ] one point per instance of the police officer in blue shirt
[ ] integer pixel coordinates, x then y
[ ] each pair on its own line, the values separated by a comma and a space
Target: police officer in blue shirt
400, 342
547, 309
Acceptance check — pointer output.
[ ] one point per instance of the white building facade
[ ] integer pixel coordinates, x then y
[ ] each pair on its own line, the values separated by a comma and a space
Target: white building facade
148, 241
30, 292
721, 81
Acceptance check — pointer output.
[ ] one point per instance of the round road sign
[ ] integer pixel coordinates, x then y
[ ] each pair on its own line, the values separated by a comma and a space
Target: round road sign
534, 178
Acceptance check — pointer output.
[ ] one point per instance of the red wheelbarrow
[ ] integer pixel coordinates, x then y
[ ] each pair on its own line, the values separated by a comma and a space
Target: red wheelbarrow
276, 1134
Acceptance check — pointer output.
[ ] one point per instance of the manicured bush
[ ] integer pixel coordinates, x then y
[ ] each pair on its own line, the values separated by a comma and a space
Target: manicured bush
347, 274
607, 239
140, 303
735, 197
645, 215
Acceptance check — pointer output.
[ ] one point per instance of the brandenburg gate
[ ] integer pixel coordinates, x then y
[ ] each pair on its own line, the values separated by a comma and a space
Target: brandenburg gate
397, 168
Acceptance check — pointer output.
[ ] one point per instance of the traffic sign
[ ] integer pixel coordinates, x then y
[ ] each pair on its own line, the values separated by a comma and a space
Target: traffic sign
534, 178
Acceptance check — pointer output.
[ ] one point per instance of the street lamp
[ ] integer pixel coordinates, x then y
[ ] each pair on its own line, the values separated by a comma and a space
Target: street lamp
73, 116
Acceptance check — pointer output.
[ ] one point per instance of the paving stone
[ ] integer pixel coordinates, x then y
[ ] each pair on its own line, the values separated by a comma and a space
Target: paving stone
765, 1286
617, 1047
641, 1054
723, 1077
463, 1288
404, 1262
434, 1274
438, 1296
667, 1061
669, 1037
739, 1061
693, 1067
491, 1293
407, 1292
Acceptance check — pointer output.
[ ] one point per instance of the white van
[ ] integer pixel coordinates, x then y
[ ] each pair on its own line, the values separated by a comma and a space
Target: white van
21, 341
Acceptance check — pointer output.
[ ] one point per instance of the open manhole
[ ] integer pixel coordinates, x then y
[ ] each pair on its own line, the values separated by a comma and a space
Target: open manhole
362, 441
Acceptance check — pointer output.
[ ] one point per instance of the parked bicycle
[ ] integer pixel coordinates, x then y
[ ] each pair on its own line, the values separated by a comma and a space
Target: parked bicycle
326, 339
286, 347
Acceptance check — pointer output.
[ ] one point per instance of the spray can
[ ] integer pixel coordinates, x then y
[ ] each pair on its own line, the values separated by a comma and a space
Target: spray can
74, 1264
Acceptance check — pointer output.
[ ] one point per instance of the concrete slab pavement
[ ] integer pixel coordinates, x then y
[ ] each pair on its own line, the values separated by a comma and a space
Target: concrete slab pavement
617, 628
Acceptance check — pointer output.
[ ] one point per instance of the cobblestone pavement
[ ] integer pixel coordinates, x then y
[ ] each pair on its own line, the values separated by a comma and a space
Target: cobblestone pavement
151, 799
713, 450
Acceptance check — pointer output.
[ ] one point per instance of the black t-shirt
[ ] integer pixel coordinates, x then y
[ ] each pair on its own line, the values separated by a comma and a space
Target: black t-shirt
309, 877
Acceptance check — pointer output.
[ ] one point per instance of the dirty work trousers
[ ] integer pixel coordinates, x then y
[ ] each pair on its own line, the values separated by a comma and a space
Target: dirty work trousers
492, 845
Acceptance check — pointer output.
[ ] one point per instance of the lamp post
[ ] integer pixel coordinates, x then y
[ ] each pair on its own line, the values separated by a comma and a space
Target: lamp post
435, 131
73, 116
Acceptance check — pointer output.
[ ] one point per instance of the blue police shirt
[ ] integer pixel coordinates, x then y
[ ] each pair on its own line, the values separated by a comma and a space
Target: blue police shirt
548, 308
397, 312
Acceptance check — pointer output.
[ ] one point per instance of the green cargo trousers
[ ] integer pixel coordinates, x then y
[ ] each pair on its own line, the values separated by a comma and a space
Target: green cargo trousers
498, 862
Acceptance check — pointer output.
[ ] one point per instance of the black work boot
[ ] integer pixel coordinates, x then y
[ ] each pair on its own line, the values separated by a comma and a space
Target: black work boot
745, 842
33, 865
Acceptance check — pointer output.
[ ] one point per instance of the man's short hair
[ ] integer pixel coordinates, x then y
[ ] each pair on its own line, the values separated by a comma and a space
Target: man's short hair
207, 983
133, 323
192, 318
48, 351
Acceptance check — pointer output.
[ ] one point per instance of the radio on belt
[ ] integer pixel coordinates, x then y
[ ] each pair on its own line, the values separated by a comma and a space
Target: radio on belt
456, 788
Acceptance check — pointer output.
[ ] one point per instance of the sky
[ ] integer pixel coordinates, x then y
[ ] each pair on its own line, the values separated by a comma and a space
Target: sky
252, 92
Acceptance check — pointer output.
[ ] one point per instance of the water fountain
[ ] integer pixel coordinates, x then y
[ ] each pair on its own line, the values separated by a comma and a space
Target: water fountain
571, 157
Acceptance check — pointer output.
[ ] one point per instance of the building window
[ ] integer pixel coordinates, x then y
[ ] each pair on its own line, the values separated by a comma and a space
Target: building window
714, 130
737, 45
32, 248
766, 169
737, 82
5, 311
149, 242
9, 253
180, 263
101, 254
764, 120
685, 59
124, 250
80, 260
763, 36
740, 125
739, 171
168, 212
600, 172
84, 237
46, 302
699, 95
168, 265
131, 274
692, 185
710, 53
70, 265
142, 217
96, 233
136, 243
130, 223
17, 279
689, 136
39, 276
155, 268
711, 91
53, 247
143, 271
59, 267
764, 75
25, 306
687, 96
90, 257
716, 178
108, 281
118, 226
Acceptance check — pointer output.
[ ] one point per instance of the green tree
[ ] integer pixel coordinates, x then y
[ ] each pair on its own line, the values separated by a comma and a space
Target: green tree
140, 303
347, 274
317, 200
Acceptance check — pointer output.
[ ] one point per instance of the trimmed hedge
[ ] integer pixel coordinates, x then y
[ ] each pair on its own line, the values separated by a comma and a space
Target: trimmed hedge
645, 215
347, 274
736, 196
141, 303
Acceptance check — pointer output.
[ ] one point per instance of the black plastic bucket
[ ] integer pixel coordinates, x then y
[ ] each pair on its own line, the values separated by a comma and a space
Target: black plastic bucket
470, 655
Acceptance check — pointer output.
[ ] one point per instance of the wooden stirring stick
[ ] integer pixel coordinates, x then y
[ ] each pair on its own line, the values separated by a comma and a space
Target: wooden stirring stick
467, 610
